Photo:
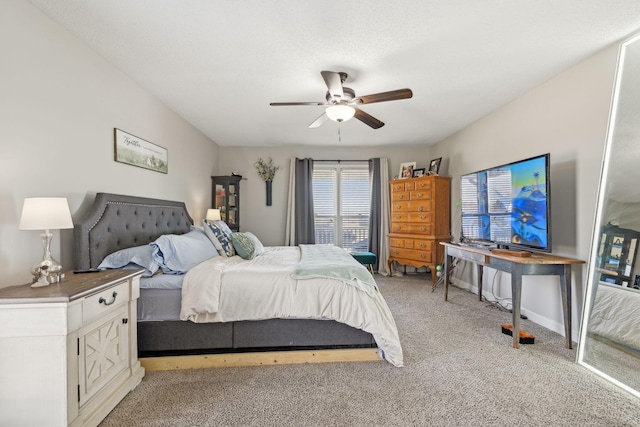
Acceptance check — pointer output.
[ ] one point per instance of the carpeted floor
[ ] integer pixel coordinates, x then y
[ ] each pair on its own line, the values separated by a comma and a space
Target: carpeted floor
460, 370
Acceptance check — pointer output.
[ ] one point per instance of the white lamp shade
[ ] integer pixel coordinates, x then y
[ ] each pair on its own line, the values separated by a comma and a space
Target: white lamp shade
45, 213
340, 113
213, 214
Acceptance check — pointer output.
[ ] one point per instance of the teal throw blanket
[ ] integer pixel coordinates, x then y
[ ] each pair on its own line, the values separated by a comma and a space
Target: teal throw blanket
332, 262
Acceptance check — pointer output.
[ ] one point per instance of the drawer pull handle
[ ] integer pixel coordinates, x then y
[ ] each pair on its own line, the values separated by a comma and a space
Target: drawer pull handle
422, 184
420, 208
420, 195
422, 245
104, 301
423, 256
398, 227
422, 228
423, 216
125, 321
400, 196
396, 252
398, 216
398, 206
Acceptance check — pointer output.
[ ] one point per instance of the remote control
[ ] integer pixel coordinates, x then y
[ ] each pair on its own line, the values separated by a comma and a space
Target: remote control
89, 270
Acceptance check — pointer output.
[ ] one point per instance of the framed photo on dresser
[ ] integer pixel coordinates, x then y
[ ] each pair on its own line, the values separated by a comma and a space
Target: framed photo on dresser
406, 170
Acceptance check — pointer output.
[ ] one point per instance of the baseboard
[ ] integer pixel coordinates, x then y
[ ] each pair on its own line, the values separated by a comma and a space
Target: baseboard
259, 359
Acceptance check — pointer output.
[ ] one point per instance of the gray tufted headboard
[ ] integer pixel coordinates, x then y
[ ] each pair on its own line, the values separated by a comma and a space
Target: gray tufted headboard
117, 222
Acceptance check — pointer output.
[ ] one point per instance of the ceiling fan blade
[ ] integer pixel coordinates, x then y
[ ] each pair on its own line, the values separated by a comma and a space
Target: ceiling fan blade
368, 119
319, 121
334, 84
281, 104
385, 96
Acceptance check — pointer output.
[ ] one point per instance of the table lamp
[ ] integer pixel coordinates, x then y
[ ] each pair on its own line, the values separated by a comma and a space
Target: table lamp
213, 214
45, 213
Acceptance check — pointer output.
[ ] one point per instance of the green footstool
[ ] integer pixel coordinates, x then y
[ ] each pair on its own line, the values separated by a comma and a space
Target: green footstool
365, 258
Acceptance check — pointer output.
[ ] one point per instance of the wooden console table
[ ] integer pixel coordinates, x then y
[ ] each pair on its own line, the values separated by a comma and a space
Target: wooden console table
517, 266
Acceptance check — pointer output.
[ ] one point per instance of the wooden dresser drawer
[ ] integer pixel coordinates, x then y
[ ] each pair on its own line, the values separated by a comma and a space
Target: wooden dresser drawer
401, 195
400, 217
397, 186
397, 243
412, 254
96, 306
411, 206
423, 245
407, 227
420, 195
422, 184
419, 217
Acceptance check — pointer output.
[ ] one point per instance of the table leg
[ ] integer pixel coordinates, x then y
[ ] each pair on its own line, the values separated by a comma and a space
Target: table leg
516, 297
480, 269
447, 266
565, 289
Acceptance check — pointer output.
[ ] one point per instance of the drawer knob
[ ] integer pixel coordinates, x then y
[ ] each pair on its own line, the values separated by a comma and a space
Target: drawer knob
398, 227
423, 256
422, 245
396, 252
423, 228
104, 301
398, 206
420, 208
398, 216
400, 196
423, 216
422, 184
420, 195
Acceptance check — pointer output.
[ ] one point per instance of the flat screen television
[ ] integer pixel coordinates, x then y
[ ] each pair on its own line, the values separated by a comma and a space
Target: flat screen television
508, 206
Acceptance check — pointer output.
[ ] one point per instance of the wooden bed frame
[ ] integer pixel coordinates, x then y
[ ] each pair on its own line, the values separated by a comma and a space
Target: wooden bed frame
115, 222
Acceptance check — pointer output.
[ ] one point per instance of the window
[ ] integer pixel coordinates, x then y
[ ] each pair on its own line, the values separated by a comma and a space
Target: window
341, 202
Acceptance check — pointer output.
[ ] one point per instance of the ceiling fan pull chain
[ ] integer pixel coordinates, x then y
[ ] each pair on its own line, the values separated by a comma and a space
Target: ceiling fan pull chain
339, 135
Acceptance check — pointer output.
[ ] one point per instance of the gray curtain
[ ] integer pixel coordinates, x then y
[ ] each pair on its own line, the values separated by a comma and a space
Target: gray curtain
375, 210
379, 213
305, 232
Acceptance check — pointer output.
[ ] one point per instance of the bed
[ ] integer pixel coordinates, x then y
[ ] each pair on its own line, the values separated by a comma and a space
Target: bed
615, 317
116, 222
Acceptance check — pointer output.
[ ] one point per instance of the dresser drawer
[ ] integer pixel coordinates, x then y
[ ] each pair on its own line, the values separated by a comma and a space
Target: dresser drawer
407, 227
412, 254
422, 184
397, 186
423, 245
420, 194
104, 302
411, 206
397, 243
401, 195
419, 217
400, 217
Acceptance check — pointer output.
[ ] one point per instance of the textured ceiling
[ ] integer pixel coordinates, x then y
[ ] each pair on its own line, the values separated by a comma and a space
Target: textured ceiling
219, 63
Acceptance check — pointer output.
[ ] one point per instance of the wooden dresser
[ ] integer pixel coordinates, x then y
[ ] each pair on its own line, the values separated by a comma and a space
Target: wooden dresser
420, 220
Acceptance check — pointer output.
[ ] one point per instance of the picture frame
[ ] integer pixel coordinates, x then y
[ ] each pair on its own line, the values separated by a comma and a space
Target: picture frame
434, 166
406, 170
138, 152
419, 172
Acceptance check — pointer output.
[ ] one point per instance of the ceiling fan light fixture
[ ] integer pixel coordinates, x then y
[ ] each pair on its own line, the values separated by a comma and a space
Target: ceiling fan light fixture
340, 113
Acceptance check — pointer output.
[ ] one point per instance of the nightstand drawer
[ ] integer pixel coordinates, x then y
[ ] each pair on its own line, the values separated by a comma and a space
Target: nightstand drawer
103, 302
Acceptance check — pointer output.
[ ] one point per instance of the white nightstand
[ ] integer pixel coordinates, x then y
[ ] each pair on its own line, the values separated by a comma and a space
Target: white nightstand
68, 352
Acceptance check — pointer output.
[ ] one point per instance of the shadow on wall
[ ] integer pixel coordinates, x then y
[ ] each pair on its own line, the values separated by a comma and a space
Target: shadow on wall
563, 204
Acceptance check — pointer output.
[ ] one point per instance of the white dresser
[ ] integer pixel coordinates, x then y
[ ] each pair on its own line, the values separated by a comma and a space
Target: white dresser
68, 351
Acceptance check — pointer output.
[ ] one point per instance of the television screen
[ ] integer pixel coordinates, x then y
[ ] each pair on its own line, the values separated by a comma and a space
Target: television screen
508, 205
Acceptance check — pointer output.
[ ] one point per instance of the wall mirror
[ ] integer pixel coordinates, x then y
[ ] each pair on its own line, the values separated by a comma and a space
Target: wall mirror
610, 333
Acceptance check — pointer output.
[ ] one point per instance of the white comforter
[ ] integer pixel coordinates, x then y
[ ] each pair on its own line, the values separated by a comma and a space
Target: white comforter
231, 289
616, 315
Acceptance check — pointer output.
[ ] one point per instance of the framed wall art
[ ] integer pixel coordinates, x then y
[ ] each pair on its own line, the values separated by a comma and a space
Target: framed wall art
136, 151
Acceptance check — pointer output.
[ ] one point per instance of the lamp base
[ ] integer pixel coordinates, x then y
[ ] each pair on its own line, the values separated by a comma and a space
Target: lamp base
48, 270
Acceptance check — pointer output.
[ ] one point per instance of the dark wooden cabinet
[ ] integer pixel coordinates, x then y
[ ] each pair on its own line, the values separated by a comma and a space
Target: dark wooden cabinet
226, 197
617, 255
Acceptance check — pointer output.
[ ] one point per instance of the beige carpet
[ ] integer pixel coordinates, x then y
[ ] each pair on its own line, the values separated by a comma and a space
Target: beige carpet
460, 370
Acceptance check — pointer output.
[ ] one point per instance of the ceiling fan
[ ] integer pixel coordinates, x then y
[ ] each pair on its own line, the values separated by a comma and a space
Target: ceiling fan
342, 102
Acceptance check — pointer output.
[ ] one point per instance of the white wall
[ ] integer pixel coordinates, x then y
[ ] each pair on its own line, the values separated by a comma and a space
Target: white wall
567, 117
59, 104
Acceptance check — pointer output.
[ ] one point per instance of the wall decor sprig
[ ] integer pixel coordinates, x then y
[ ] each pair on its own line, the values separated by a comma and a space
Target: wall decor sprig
266, 169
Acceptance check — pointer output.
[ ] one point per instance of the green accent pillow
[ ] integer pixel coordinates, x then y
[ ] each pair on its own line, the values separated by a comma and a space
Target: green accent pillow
246, 245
